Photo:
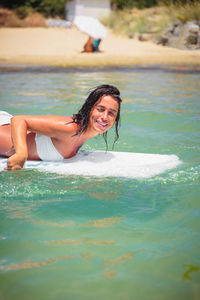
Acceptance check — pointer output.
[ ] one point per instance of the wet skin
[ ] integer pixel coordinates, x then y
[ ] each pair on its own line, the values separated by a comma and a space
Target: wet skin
61, 129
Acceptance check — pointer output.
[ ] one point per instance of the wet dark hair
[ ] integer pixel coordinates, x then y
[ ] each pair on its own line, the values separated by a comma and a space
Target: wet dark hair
82, 117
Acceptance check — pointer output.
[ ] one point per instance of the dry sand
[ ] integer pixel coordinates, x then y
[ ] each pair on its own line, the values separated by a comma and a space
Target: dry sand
62, 47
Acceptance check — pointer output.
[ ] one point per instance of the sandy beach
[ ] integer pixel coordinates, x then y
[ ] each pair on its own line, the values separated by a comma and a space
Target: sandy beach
62, 47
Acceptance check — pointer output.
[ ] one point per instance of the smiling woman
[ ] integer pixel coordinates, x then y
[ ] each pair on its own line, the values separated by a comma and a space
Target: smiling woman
103, 114
54, 137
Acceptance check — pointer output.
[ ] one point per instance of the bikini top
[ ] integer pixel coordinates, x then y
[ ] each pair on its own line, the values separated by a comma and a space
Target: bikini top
46, 149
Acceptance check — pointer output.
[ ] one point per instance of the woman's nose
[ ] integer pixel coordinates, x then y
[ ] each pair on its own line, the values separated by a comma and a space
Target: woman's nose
104, 115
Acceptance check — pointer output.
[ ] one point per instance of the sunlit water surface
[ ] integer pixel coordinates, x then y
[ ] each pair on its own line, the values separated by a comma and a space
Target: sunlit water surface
70, 237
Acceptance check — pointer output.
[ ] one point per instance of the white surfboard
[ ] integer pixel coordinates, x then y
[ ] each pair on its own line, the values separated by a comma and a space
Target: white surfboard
107, 164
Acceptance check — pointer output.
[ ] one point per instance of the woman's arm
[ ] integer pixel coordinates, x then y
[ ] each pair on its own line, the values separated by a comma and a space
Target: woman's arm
53, 126
18, 135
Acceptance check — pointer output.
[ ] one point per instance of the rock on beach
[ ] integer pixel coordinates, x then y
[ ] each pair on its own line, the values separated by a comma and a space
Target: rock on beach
182, 36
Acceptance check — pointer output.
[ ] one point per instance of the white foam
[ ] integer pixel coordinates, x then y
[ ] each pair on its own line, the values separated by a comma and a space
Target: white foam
108, 164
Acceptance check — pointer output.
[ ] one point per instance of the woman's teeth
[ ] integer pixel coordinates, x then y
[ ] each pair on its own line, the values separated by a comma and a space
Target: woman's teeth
102, 124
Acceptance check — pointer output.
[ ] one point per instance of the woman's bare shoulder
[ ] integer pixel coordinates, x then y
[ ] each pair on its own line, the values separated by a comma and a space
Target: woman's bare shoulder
66, 124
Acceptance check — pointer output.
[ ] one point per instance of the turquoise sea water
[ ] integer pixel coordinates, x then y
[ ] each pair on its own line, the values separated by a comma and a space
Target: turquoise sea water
80, 238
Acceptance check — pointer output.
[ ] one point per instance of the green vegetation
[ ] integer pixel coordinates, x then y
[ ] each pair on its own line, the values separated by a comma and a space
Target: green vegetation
153, 20
140, 4
184, 13
46, 7
127, 22
123, 4
56, 7
127, 17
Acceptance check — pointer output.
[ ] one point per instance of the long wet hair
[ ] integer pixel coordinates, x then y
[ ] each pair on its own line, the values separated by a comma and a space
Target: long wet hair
82, 117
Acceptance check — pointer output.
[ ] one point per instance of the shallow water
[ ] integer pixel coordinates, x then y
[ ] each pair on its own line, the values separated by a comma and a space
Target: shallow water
70, 237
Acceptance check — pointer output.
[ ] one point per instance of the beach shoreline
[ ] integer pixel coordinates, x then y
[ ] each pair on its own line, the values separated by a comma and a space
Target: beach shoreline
176, 68
61, 47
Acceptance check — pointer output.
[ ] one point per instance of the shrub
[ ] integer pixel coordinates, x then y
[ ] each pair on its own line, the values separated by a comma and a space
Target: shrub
187, 12
152, 20
9, 18
123, 4
22, 11
46, 7
127, 22
52, 7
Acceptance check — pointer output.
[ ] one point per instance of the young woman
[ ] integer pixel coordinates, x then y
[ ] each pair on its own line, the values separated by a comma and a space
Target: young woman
57, 137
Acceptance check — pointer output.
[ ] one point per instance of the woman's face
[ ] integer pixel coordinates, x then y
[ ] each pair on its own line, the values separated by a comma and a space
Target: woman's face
103, 114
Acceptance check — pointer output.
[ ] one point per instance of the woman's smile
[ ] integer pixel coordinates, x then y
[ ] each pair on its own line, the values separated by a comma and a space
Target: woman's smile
102, 125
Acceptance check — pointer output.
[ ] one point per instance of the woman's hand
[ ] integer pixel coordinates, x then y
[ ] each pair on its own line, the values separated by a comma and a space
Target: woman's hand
15, 162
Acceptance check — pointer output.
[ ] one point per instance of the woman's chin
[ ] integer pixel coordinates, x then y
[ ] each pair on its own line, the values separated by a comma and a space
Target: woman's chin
101, 130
